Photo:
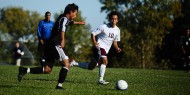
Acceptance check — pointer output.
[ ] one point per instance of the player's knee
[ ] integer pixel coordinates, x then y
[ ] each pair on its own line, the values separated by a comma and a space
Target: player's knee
105, 61
66, 63
47, 70
68, 66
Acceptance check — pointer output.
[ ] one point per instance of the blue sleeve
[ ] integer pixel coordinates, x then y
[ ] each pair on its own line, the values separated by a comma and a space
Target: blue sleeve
39, 29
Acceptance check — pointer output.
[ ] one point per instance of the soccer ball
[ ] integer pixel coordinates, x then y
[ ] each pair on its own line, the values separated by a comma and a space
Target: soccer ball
121, 85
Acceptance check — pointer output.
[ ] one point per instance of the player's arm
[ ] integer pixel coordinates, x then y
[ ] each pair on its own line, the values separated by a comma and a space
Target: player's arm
80, 22
94, 40
116, 46
95, 32
62, 39
39, 33
182, 47
77, 22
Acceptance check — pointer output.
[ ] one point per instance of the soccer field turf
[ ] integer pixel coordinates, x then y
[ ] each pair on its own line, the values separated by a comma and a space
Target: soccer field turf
84, 82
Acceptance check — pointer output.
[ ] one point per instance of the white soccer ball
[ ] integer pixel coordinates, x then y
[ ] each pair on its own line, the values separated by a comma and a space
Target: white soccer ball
121, 85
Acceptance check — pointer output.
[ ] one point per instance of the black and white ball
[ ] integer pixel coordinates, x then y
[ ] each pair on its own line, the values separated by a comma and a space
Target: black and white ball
121, 85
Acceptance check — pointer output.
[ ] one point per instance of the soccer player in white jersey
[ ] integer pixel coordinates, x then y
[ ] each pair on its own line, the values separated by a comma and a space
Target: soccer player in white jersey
102, 38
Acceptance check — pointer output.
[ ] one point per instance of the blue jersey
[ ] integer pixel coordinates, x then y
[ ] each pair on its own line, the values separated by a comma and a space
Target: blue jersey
44, 29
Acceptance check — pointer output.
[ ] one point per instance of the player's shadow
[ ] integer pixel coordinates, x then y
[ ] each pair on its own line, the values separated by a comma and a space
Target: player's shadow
40, 79
13, 86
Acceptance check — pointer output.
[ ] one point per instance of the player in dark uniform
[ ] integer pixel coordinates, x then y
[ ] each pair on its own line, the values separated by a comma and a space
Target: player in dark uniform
186, 49
54, 48
18, 53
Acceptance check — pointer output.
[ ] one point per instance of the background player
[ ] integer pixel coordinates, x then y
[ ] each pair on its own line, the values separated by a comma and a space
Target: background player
106, 35
186, 49
17, 53
54, 48
44, 31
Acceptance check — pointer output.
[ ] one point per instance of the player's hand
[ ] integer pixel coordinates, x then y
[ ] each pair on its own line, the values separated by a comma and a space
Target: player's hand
82, 22
118, 50
96, 44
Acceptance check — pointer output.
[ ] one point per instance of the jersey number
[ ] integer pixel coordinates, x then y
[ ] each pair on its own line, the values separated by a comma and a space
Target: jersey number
111, 35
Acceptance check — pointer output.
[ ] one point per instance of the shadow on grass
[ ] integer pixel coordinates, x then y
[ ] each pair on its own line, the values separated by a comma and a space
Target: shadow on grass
20, 86
39, 79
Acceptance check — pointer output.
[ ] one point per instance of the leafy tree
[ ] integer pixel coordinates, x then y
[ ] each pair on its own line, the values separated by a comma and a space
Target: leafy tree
18, 22
171, 48
146, 22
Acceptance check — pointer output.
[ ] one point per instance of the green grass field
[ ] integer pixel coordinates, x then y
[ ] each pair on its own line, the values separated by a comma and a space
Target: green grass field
84, 82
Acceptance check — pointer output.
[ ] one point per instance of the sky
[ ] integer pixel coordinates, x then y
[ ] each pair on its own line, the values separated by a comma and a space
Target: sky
90, 8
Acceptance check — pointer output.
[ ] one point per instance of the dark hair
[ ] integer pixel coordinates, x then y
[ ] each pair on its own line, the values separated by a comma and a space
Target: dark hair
113, 13
47, 13
70, 7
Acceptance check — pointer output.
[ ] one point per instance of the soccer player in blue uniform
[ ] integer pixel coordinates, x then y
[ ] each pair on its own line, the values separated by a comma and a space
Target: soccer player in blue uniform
44, 31
54, 47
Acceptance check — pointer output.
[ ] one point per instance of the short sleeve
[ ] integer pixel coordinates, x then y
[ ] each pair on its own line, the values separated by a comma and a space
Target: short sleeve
118, 38
64, 24
98, 30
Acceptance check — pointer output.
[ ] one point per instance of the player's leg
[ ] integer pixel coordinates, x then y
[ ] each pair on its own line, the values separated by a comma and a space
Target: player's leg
41, 49
63, 58
46, 69
18, 61
36, 70
102, 67
102, 70
188, 64
94, 60
63, 73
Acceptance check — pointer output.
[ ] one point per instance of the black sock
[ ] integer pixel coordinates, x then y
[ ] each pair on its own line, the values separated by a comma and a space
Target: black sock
62, 74
36, 70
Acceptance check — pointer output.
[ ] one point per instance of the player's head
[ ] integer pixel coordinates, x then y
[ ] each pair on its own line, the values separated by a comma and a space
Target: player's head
113, 18
71, 11
188, 31
47, 16
17, 44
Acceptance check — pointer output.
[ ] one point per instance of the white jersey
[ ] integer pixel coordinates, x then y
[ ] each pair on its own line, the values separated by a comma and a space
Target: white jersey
106, 35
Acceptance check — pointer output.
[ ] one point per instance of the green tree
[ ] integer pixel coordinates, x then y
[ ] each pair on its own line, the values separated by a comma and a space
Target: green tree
18, 22
147, 22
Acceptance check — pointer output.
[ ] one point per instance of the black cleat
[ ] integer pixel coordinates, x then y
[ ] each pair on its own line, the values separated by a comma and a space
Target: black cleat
92, 64
58, 87
22, 72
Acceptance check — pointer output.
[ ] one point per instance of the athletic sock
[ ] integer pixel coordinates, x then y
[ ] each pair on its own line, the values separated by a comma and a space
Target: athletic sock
36, 70
28, 70
62, 74
102, 70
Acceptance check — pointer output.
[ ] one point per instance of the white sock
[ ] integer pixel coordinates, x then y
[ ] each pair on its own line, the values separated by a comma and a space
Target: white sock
59, 84
43, 69
102, 70
28, 70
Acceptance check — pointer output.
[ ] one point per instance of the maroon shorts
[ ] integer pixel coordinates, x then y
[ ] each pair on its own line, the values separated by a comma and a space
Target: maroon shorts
102, 52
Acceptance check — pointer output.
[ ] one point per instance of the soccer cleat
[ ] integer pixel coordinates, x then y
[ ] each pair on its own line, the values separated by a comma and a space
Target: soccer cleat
22, 72
59, 87
103, 82
73, 63
92, 64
